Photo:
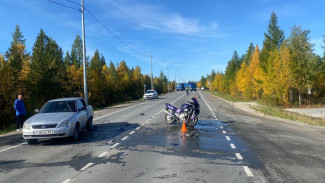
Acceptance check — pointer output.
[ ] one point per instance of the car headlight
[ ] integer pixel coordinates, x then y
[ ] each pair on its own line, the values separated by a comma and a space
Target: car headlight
63, 124
26, 125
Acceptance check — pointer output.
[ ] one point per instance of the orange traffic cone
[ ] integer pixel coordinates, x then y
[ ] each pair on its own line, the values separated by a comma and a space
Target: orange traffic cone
184, 128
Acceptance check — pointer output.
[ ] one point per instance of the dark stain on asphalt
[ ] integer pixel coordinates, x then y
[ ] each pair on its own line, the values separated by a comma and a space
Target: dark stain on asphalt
166, 176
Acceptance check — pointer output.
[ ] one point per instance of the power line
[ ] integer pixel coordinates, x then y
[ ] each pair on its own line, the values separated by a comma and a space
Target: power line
115, 35
63, 5
73, 2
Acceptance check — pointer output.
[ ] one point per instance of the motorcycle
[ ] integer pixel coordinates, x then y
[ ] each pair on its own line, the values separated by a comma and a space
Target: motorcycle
186, 113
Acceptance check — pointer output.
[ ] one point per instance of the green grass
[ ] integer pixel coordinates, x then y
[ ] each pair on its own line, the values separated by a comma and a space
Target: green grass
11, 128
278, 112
270, 109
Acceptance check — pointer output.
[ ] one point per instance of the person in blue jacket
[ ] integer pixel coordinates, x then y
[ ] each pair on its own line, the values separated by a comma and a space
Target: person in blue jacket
20, 111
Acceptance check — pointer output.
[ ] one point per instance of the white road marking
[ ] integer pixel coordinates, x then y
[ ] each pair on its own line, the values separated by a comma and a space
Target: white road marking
178, 98
138, 128
124, 138
239, 156
115, 145
248, 171
87, 166
12, 147
147, 121
233, 146
103, 154
66, 181
223, 131
228, 138
119, 111
214, 116
132, 132
221, 127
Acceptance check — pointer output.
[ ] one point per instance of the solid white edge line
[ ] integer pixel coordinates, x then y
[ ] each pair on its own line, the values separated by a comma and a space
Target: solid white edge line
103, 154
233, 146
13, 147
124, 138
87, 166
66, 181
248, 171
132, 132
228, 138
115, 145
238, 155
138, 128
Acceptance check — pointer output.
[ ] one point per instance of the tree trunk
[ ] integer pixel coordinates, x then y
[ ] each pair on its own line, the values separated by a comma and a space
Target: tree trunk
299, 98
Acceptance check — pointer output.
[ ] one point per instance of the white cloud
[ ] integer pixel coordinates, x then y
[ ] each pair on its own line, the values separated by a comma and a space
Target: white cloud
157, 18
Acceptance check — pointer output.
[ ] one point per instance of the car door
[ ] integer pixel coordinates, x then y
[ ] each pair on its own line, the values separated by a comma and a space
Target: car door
82, 113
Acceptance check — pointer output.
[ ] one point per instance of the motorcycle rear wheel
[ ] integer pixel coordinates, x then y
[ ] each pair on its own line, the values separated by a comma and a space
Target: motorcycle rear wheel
169, 119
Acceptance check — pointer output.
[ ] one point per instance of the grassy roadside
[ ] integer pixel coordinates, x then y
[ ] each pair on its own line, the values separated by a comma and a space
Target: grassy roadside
274, 110
9, 129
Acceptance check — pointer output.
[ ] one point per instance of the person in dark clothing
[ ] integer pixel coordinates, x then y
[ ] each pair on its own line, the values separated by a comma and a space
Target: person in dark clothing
20, 111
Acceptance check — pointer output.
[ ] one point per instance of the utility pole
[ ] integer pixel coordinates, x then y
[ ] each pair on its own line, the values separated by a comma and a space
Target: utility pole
151, 71
175, 82
84, 53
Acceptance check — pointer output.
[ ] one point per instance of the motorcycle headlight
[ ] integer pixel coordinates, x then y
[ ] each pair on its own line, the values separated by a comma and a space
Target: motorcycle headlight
26, 125
63, 124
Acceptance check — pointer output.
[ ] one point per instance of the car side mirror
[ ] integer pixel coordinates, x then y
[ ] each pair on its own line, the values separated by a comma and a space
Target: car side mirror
36, 111
82, 108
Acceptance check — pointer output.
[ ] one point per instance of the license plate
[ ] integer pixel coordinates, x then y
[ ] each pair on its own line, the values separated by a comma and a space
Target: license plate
43, 132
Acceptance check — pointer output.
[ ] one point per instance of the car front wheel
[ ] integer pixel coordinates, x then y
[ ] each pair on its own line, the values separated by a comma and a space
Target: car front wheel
76, 133
90, 123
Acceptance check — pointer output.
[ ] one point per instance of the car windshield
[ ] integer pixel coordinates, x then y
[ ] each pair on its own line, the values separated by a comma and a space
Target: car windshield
150, 91
59, 106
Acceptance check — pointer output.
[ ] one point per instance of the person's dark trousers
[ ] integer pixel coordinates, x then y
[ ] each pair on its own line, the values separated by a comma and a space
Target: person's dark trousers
20, 121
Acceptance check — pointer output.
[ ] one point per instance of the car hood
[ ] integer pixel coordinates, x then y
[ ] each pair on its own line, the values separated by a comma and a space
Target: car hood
50, 118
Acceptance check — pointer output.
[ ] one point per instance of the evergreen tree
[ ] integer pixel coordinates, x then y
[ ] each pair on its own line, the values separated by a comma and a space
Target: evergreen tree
273, 40
76, 52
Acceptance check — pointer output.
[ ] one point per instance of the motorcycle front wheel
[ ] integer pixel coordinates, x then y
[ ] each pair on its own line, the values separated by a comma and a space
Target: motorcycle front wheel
169, 119
193, 122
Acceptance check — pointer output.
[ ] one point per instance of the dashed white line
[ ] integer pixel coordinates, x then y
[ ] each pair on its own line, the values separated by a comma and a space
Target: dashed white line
66, 181
223, 131
124, 138
103, 154
138, 128
233, 146
13, 147
248, 171
87, 166
119, 111
238, 156
132, 132
221, 127
115, 145
228, 138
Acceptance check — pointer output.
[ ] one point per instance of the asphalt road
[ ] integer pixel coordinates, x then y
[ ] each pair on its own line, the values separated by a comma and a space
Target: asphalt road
131, 143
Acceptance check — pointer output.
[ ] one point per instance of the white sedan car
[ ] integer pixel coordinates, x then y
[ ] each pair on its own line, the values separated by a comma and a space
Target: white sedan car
59, 118
150, 94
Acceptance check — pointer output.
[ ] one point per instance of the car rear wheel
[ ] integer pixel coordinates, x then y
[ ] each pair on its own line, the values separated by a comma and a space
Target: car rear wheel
76, 133
31, 141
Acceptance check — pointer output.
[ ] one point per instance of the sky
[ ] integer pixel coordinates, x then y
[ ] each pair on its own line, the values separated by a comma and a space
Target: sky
187, 38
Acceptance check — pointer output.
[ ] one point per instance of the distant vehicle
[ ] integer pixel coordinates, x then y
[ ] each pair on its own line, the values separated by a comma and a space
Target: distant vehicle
185, 85
202, 88
59, 118
150, 94
192, 86
180, 87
